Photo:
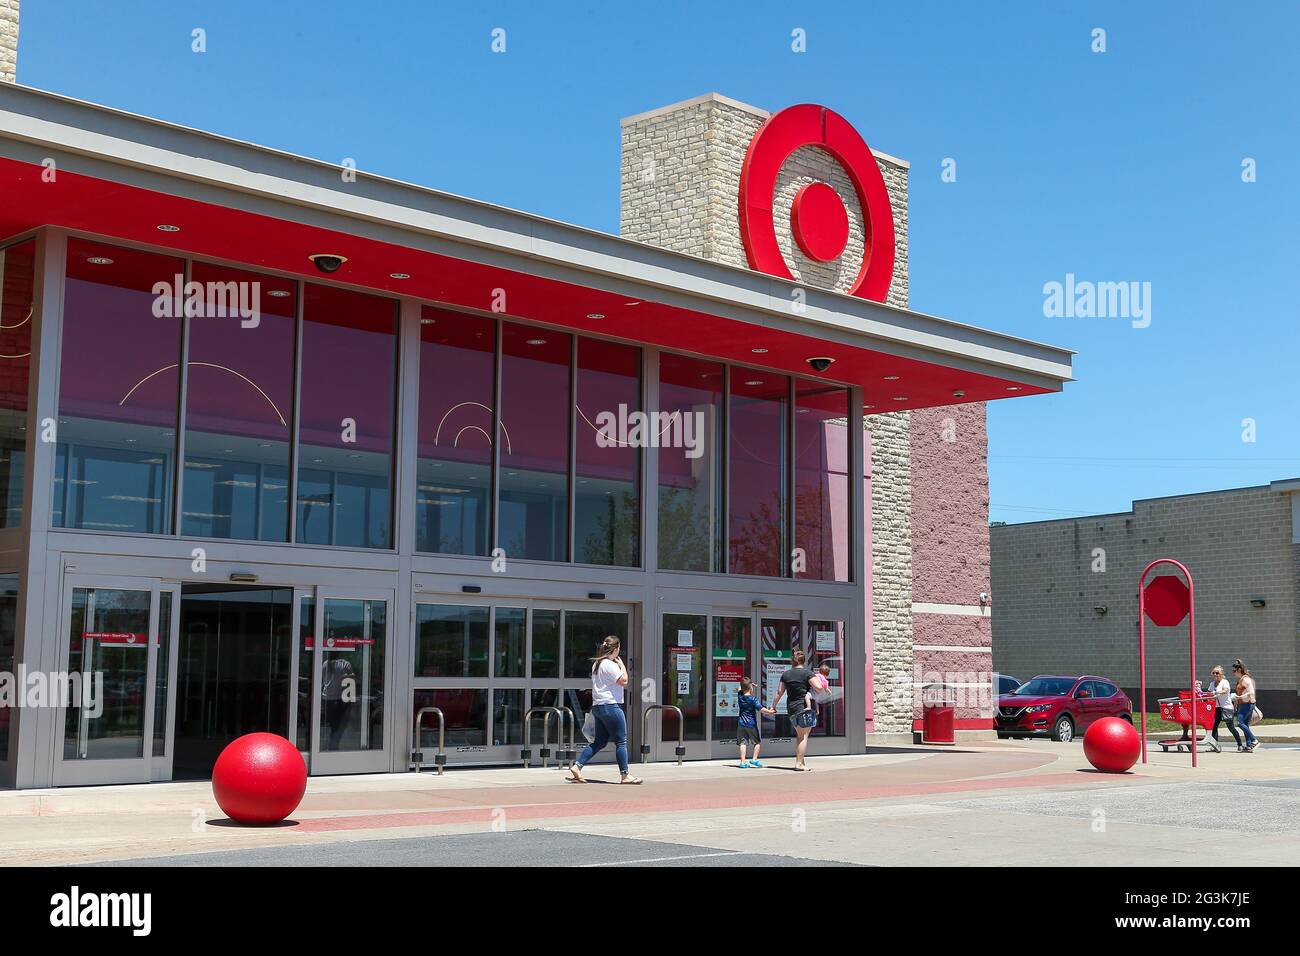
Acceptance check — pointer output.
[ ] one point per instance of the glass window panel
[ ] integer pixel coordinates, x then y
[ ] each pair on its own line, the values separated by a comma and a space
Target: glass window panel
238, 405
546, 643
607, 496
732, 646
821, 480
451, 641
778, 638
757, 489
511, 637
349, 353
306, 666
352, 675
534, 460
685, 647
108, 641
119, 386
8, 643
584, 631
457, 383
507, 717
690, 469
463, 710
824, 644
17, 298
161, 674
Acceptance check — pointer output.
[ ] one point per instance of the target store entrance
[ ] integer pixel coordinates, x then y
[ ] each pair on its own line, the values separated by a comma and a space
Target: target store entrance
707, 652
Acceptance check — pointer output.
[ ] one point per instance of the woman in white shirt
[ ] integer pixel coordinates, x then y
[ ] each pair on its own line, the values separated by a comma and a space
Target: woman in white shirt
1223, 711
608, 678
1245, 700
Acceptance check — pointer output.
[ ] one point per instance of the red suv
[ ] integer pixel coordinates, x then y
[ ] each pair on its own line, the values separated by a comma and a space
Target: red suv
1060, 706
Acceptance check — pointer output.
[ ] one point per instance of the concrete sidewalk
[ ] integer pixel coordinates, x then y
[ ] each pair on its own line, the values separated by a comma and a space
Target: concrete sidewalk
998, 804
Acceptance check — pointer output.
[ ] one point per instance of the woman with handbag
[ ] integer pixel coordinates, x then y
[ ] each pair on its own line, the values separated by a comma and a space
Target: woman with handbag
1245, 698
608, 678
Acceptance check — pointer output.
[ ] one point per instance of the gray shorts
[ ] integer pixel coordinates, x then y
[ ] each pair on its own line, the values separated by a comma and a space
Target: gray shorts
749, 735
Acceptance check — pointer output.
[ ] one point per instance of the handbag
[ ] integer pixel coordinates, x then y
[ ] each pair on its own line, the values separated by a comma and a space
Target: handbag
1256, 715
589, 726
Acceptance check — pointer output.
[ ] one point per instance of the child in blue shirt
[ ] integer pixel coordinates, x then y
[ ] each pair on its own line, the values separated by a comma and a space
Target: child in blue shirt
747, 730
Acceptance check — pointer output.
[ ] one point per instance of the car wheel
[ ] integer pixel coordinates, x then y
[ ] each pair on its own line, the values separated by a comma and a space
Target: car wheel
1127, 718
1063, 730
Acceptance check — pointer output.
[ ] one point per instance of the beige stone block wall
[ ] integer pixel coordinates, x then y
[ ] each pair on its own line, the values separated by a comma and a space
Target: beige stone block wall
8, 40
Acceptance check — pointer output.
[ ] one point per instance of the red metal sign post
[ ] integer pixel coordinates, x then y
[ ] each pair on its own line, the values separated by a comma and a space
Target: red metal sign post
1166, 600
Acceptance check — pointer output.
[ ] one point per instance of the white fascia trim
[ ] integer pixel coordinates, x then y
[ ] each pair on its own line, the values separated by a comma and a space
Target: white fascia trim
954, 648
963, 610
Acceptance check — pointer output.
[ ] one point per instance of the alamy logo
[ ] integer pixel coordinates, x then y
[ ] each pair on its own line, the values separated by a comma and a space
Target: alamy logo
76, 909
624, 429
55, 689
1083, 299
209, 300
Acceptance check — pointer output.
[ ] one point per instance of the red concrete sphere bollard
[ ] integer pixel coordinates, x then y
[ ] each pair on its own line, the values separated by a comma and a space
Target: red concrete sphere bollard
259, 779
1112, 745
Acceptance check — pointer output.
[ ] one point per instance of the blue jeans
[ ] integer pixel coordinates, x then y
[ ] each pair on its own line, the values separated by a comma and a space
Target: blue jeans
610, 725
1244, 712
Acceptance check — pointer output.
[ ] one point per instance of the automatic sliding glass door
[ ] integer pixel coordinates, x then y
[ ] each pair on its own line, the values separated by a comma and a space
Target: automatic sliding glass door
347, 654
109, 692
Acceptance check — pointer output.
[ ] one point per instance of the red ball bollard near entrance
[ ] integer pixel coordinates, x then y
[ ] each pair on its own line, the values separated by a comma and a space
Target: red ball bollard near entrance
259, 779
1112, 745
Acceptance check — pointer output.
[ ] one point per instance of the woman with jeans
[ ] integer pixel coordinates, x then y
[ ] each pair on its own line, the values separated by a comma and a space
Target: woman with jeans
1245, 698
608, 678
1224, 713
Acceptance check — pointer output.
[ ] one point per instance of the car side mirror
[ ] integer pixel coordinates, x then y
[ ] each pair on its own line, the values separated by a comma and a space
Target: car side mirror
1082, 694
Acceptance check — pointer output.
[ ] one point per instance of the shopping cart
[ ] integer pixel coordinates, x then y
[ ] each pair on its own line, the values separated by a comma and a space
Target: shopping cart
1180, 710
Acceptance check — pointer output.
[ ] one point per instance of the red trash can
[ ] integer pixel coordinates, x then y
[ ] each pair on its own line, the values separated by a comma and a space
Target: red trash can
938, 714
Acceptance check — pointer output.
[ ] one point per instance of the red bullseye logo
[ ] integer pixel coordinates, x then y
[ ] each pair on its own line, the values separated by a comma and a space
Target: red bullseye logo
818, 217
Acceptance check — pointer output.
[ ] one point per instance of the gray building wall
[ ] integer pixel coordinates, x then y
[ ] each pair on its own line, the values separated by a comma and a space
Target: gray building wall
1240, 544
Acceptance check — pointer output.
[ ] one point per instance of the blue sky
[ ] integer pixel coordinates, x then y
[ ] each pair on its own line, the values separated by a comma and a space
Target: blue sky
1116, 166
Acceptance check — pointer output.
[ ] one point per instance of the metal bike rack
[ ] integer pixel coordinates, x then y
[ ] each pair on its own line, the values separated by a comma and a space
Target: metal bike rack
681, 731
567, 757
526, 754
417, 756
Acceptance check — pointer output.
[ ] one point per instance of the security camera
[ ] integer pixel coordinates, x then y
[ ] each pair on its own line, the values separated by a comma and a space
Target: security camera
328, 263
984, 597
821, 363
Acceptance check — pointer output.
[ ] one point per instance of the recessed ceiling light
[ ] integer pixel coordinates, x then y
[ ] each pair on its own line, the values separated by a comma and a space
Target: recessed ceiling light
633, 302
891, 378
595, 315
100, 261
865, 407
1013, 388
900, 398
755, 381
428, 321
537, 341
278, 293
399, 275
164, 227
759, 351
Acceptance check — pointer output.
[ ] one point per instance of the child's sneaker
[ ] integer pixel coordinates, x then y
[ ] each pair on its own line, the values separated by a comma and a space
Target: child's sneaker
755, 763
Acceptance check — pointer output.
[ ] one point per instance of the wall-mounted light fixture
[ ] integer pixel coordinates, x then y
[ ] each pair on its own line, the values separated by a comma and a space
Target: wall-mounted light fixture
759, 604
1100, 608
243, 577
596, 595
471, 589
1257, 602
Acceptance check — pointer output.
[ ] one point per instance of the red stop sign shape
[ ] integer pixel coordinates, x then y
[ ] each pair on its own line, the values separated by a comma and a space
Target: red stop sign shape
1167, 600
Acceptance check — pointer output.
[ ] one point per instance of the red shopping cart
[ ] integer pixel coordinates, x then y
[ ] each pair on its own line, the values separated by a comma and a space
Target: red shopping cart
1181, 710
